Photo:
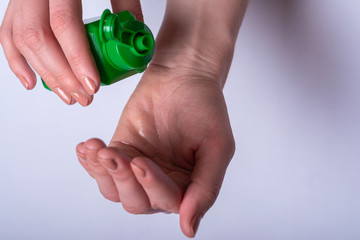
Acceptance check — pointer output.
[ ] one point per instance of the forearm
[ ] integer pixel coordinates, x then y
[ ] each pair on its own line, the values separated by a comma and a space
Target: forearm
203, 32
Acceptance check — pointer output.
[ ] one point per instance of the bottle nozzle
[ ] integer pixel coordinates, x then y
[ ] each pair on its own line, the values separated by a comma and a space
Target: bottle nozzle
143, 43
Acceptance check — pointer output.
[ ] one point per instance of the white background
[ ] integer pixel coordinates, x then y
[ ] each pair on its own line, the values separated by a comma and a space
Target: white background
293, 97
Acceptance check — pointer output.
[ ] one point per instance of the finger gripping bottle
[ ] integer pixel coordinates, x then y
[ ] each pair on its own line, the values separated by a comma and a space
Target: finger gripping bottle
121, 46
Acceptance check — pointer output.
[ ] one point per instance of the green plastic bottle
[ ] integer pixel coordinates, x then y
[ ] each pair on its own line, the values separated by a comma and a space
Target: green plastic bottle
121, 46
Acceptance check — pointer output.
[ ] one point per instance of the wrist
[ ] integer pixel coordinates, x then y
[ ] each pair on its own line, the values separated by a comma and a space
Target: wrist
199, 35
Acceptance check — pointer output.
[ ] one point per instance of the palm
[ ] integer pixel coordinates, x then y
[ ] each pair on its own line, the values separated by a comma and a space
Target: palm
171, 147
168, 120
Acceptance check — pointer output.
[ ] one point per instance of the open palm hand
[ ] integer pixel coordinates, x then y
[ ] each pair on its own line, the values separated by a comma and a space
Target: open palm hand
171, 147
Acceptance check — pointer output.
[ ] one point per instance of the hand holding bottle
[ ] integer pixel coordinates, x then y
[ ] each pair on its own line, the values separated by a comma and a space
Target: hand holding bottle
49, 36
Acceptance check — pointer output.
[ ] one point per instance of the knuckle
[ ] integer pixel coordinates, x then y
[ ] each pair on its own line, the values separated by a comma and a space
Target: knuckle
47, 77
34, 37
210, 197
210, 193
67, 80
61, 77
18, 39
75, 60
60, 20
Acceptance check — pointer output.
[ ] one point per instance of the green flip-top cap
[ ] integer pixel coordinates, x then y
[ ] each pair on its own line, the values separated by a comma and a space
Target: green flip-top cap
127, 44
121, 45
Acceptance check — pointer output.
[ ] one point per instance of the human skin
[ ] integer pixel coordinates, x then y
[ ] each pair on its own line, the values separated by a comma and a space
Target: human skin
49, 36
173, 142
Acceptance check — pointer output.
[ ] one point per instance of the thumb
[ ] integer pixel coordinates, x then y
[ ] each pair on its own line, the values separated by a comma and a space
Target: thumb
205, 185
133, 6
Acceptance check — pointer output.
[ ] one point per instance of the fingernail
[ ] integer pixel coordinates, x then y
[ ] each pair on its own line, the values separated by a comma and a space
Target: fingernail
66, 98
109, 164
195, 225
81, 98
23, 81
137, 170
89, 85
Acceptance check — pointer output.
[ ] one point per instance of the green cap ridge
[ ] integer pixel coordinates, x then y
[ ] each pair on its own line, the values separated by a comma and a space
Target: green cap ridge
121, 45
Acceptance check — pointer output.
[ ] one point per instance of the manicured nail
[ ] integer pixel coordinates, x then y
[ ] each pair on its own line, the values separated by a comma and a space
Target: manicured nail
66, 98
137, 170
109, 164
81, 98
23, 81
195, 225
89, 85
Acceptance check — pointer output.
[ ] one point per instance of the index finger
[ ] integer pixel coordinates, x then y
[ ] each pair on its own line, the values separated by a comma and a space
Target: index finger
68, 27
